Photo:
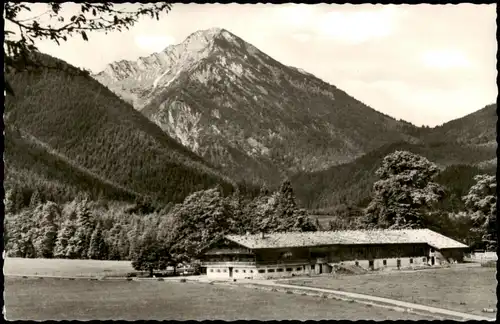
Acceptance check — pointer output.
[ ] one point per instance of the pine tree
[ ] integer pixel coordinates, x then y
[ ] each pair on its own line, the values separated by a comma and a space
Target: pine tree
287, 198
66, 232
112, 242
47, 231
14, 200
79, 243
97, 249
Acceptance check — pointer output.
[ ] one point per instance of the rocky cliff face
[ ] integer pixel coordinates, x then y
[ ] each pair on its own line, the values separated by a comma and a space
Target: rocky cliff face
243, 111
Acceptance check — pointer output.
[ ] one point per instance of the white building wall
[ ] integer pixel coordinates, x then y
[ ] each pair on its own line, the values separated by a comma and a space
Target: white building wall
390, 263
218, 272
252, 272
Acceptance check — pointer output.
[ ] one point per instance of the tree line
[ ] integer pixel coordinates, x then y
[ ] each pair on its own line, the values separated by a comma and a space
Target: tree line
149, 235
154, 236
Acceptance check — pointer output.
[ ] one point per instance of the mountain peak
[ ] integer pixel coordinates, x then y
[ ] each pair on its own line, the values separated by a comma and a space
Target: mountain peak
202, 38
209, 32
195, 47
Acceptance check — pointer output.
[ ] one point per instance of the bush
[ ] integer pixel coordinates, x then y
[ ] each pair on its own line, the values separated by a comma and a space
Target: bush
489, 264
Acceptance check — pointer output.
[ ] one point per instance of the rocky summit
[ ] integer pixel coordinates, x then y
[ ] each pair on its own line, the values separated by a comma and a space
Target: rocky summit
247, 113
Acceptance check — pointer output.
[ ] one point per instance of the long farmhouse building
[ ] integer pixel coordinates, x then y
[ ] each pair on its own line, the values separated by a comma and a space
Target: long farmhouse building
260, 256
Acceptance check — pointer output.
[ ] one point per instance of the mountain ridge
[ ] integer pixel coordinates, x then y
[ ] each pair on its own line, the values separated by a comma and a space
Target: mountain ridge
76, 117
229, 102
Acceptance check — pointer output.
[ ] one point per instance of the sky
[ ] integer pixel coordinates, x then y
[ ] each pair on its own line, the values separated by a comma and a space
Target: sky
426, 64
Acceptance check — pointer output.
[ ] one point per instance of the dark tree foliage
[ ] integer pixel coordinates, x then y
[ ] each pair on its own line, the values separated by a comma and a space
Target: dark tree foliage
404, 193
351, 183
21, 32
124, 155
150, 254
481, 203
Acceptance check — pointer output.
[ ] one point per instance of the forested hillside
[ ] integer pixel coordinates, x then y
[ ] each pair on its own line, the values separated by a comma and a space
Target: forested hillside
30, 168
476, 128
352, 183
74, 117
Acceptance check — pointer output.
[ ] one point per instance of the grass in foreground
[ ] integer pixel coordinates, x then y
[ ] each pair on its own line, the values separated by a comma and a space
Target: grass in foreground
59, 299
462, 289
64, 267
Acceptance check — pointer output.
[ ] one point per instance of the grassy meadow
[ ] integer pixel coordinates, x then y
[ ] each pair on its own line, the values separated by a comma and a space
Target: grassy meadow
83, 299
463, 289
66, 268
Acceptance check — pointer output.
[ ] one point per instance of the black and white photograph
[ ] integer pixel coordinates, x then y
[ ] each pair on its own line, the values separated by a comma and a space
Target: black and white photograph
208, 161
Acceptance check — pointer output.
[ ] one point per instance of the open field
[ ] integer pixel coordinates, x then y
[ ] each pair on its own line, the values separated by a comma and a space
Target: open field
462, 289
60, 299
66, 268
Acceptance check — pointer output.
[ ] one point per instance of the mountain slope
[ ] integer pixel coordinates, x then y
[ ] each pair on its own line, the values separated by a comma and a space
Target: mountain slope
351, 183
75, 117
247, 113
477, 128
31, 166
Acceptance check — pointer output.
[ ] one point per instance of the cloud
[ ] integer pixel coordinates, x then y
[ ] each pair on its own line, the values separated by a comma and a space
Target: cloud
445, 59
358, 27
153, 43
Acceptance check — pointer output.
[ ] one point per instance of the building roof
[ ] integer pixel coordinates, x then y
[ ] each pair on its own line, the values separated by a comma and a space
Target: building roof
309, 239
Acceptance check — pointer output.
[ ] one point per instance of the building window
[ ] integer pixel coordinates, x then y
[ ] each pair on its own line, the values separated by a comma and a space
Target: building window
279, 270
244, 271
411, 260
424, 259
270, 270
432, 250
384, 262
356, 263
251, 271
236, 270
299, 269
211, 270
262, 271
289, 269
225, 270
218, 270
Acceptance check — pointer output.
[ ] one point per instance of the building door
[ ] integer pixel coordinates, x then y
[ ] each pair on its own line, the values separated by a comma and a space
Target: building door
371, 264
432, 260
398, 263
230, 272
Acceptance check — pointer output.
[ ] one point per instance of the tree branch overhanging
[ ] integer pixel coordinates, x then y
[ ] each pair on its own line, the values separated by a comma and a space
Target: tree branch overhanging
18, 53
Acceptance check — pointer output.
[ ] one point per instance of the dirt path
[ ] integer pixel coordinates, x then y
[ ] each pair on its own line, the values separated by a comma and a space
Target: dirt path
386, 301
